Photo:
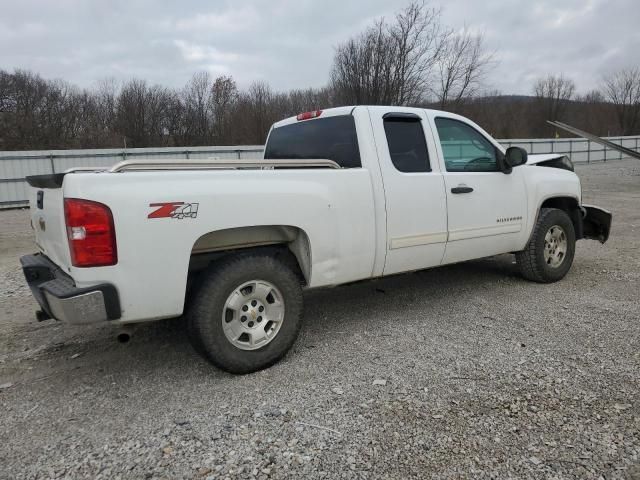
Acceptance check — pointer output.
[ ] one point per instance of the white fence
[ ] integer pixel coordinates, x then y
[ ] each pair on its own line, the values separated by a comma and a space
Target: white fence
15, 166
579, 149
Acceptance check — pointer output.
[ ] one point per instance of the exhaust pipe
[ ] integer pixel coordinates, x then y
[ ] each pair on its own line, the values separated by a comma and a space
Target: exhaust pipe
41, 316
124, 335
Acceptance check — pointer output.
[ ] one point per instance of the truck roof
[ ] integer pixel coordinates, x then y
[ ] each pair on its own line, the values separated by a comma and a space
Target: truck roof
348, 110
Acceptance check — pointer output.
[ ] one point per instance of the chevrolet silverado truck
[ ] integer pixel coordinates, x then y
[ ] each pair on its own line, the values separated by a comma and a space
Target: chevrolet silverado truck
342, 195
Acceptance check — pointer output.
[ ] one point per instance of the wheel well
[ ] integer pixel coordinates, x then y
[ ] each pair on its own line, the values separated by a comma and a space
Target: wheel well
288, 242
571, 207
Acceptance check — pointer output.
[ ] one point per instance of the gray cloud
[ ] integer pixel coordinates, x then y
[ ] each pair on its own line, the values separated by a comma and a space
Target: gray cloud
289, 43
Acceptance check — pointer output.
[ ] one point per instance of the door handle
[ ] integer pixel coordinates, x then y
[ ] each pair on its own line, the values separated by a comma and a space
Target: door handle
461, 189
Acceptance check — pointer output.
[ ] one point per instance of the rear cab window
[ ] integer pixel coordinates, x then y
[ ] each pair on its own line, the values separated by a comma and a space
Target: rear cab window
332, 138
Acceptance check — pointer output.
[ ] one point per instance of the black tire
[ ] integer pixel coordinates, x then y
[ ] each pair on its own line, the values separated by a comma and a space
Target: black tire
531, 260
204, 315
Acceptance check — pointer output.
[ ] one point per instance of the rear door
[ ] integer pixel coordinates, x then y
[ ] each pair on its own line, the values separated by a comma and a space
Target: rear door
414, 189
486, 208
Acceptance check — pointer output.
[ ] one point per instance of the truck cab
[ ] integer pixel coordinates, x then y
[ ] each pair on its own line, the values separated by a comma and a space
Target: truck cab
449, 195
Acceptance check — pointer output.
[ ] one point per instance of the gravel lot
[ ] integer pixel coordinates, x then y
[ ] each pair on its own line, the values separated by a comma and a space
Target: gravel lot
466, 371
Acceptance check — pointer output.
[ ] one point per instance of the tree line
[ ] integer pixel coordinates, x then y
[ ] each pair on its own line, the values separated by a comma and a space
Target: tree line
409, 59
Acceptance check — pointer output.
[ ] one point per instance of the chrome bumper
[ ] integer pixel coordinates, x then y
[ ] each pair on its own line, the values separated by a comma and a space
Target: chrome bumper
59, 298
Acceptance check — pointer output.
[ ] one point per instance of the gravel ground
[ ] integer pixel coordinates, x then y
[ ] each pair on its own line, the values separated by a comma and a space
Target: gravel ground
466, 371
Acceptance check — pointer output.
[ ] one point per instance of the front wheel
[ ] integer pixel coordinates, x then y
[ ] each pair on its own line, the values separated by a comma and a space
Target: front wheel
549, 254
247, 313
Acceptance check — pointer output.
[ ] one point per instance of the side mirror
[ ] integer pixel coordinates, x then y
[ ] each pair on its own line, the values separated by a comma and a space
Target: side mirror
515, 156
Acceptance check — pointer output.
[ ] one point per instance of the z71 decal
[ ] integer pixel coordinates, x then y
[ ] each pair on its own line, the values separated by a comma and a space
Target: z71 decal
178, 210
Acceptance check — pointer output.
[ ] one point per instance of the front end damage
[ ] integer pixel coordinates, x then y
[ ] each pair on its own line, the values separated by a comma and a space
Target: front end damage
596, 223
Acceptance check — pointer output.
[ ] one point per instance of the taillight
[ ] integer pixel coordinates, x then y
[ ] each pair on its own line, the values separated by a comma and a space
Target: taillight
309, 115
91, 234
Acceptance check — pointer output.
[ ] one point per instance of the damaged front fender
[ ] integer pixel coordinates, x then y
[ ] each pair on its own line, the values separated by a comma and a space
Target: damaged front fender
596, 223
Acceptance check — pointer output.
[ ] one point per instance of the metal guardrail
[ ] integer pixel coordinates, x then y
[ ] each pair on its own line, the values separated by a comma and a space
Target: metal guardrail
14, 166
623, 150
558, 145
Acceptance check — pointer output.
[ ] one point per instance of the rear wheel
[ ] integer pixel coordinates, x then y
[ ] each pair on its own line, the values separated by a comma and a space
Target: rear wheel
247, 313
549, 253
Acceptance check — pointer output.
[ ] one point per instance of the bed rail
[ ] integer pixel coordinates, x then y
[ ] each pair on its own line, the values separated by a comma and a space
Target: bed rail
213, 164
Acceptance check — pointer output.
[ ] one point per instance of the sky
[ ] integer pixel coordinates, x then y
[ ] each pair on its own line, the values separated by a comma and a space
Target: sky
290, 43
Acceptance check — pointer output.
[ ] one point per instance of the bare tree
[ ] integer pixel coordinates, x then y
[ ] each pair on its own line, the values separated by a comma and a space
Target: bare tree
224, 95
175, 129
106, 95
130, 113
7, 108
157, 102
309, 99
39, 114
29, 93
554, 93
254, 114
418, 41
7, 92
360, 67
389, 63
460, 68
197, 108
592, 96
622, 88
59, 114
592, 112
141, 114
503, 116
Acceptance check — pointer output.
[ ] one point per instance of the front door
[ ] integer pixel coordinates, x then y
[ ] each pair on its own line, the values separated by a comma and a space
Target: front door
414, 189
486, 208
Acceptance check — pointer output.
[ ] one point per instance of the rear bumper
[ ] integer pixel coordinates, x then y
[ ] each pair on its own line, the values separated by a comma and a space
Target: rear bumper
596, 223
59, 298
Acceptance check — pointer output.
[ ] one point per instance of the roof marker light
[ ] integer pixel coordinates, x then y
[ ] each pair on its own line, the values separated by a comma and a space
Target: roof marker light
309, 115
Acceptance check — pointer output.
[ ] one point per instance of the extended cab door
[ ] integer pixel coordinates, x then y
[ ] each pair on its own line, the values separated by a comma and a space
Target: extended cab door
486, 208
413, 187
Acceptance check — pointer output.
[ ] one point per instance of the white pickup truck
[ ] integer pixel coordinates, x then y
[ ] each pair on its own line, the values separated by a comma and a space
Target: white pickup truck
341, 195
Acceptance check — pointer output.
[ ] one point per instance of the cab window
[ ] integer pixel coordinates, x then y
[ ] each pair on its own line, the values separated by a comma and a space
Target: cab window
407, 145
464, 148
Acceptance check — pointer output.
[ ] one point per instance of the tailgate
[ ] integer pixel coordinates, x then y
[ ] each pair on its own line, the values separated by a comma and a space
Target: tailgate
46, 199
